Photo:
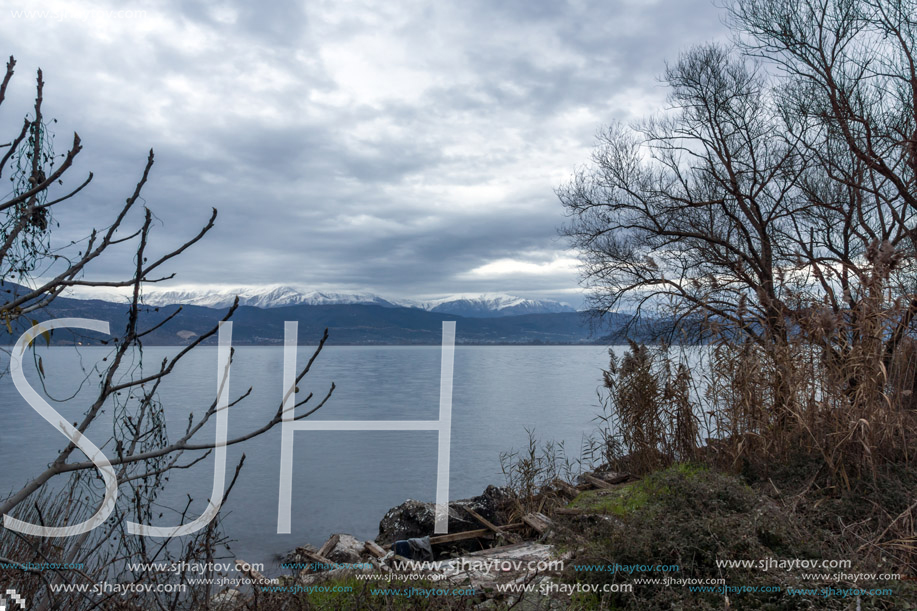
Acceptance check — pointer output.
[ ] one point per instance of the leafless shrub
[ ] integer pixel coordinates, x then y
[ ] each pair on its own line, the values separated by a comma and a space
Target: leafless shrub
145, 453
650, 418
529, 473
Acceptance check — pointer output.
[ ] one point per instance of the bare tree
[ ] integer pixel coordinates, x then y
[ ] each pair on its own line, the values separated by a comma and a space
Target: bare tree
145, 454
682, 211
772, 205
850, 69
849, 86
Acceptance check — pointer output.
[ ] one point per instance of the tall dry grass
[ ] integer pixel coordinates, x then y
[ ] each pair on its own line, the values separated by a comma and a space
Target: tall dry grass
836, 394
651, 418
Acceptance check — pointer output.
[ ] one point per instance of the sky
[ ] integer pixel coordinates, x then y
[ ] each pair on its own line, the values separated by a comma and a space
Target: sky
404, 148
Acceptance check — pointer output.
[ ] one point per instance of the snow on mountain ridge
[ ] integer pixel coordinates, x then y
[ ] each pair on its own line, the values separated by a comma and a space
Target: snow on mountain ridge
480, 305
267, 297
495, 305
494, 300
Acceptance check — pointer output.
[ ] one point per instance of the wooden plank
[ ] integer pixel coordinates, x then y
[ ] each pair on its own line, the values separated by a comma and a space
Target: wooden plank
509, 536
247, 570
469, 534
372, 548
538, 521
325, 549
607, 482
453, 537
566, 488
598, 483
313, 557
462, 536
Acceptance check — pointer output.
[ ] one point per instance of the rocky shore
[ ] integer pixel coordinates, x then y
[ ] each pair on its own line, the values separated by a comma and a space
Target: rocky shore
666, 531
492, 540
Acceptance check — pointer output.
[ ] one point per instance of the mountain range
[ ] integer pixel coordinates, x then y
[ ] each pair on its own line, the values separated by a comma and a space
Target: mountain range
351, 319
477, 306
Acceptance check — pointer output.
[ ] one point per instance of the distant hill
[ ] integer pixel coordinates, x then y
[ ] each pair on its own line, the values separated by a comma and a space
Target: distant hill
277, 296
261, 297
490, 306
348, 323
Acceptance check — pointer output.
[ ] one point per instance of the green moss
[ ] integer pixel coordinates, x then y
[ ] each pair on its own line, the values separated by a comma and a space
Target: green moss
603, 501
635, 496
692, 517
335, 600
688, 470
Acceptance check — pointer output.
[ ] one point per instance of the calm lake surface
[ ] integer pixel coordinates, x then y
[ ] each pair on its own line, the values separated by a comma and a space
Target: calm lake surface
342, 481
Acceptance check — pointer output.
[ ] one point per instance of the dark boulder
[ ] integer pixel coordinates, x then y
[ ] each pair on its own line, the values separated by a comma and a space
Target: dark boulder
417, 519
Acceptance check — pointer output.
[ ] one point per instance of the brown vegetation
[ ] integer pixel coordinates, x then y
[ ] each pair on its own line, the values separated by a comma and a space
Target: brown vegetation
771, 215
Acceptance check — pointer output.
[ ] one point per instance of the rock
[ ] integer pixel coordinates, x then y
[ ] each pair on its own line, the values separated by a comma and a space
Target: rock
506, 564
410, 519
417, 519
339, 549
346, 550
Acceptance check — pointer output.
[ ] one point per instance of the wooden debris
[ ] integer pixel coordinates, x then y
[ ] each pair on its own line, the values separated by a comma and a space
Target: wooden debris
347, 550
462, 536
566, 488
329, 545
313, 557
247, 570
509, 536
538, 521
616, 478
462, 572
374, 549
465, 535
598, 483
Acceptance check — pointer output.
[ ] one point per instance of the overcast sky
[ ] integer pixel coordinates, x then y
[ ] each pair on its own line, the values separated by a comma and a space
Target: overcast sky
410, 149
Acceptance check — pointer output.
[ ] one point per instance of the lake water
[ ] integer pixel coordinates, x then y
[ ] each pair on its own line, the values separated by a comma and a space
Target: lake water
342, 481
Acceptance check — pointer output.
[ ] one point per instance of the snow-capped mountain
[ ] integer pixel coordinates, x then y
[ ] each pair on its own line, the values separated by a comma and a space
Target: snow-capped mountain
261, 297
492, 305
474, 306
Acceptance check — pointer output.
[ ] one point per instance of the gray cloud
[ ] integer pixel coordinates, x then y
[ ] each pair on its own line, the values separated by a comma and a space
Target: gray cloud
405, 148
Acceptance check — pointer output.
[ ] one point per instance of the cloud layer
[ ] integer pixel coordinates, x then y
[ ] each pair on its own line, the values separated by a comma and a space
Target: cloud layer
405, 148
